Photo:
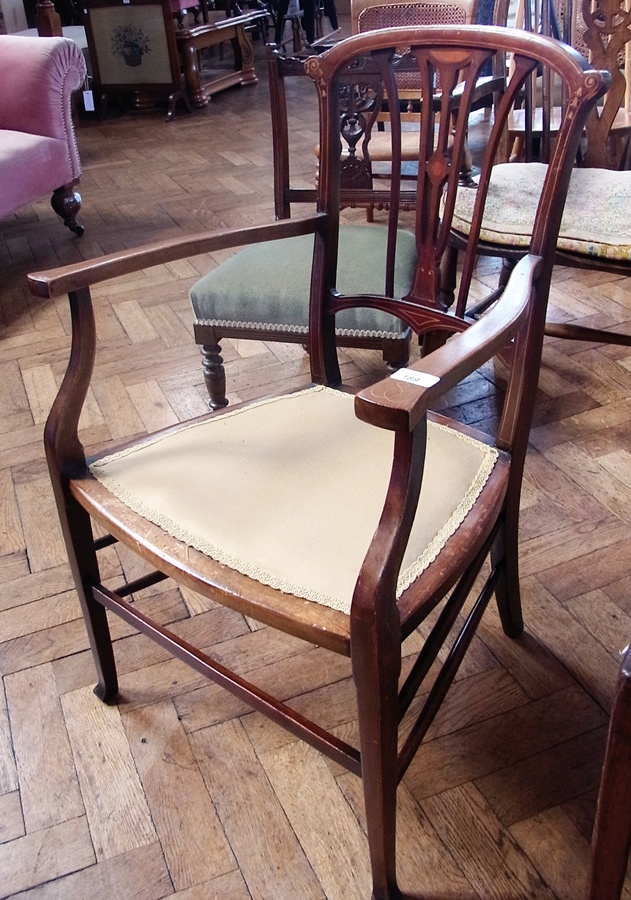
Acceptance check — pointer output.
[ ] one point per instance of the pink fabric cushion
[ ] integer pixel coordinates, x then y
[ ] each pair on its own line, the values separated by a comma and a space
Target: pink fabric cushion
38, 151
38, 77
30, 167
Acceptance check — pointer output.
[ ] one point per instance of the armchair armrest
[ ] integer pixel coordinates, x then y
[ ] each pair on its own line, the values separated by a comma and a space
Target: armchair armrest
38, 77
54, 282
398, 405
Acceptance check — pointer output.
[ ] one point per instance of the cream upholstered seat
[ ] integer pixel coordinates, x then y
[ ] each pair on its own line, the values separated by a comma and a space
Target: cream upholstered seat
310, 445
343, 520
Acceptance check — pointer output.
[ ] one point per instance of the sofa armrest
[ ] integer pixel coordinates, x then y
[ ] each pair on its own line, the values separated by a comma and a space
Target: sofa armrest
38, 76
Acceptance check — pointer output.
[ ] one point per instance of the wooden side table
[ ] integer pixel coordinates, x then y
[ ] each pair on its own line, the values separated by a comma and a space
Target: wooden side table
190, 41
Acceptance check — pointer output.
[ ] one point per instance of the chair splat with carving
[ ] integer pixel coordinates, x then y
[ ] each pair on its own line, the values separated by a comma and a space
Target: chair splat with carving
342, 520
262, 293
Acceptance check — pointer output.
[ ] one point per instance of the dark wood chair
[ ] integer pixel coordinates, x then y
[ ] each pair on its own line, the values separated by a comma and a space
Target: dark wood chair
342, 520
611, 839
596, 228
262, 293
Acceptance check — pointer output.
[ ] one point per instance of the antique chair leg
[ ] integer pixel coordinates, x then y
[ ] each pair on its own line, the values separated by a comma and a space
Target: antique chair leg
376, 674
379, 778
214, 375
505, 272
448, 276
84, 565
611, 840
396, 353
507, 591
67, 202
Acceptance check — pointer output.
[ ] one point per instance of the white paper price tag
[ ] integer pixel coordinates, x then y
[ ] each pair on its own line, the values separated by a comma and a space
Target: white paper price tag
88, 101
422, 379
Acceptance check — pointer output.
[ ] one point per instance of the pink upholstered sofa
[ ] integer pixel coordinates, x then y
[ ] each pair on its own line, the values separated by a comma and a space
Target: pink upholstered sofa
38, 150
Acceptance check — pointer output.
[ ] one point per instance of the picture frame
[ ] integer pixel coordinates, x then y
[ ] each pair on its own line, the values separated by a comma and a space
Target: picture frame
133, 50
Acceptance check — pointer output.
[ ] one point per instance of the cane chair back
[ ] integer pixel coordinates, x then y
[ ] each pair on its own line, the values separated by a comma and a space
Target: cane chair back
341, 520
368, 15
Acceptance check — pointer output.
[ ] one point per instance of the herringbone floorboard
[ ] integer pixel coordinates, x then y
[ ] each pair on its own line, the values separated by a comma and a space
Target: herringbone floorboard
179, 790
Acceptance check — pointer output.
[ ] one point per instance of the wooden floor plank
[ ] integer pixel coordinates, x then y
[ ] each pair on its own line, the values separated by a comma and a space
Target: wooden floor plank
566, 874
269, 855
138, 875
115, 802
11, 818
322, 819
491, 860
47, 778
45, 855
168, 772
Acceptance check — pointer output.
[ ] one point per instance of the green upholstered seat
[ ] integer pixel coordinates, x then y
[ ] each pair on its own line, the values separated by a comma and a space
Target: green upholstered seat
266, 286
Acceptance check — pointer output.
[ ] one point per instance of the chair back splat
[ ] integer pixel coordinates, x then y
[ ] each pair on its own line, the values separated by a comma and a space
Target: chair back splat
341, 520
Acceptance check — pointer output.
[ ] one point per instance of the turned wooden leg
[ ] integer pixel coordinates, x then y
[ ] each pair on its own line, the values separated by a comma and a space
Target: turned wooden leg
505, 272
465, 176
448, 276
214, 375
396, 352
67, 202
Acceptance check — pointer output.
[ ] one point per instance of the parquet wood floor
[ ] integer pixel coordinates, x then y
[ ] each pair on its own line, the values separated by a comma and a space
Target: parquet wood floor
180, 791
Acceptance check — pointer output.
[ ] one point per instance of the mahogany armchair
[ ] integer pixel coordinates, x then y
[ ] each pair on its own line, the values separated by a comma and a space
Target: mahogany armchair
341, 520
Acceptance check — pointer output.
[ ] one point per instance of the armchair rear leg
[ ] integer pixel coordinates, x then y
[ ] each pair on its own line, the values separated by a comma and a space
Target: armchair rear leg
507, 591
67, 202
214, 375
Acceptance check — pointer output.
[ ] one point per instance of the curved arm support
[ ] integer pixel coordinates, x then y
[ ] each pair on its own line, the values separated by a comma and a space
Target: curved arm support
54, 282
399, 406
64, 450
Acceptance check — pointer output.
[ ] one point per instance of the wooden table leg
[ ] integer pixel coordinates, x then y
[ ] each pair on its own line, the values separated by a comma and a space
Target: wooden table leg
192, 76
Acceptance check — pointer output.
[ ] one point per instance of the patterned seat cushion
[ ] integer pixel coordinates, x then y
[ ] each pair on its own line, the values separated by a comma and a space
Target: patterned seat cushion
266, 286
596, 219
289, 490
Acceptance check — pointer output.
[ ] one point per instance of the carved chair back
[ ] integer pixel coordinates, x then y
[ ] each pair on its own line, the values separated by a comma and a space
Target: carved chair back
601, 31
441, 147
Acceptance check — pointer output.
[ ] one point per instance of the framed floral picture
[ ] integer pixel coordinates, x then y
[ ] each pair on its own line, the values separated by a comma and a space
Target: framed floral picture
132, 46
